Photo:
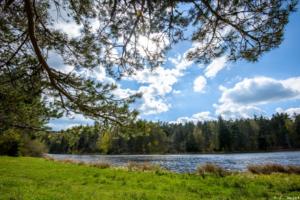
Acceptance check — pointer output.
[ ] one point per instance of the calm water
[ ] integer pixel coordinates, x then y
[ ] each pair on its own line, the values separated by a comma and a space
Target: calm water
188, 163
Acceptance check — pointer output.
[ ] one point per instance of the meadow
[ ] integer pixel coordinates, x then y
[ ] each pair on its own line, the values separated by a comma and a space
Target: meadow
39, 178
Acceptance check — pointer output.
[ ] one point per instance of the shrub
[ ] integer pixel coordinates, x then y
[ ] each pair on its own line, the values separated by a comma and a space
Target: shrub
209, 168
13, 143
273, 168
32, 148
10, 143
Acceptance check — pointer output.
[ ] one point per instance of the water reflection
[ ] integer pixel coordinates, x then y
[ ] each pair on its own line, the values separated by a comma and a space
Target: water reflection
188, 163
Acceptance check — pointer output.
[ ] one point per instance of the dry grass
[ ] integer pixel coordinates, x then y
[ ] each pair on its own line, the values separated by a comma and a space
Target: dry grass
145, 166
209, 168
101, 165
274, 168
48, 158
69, 161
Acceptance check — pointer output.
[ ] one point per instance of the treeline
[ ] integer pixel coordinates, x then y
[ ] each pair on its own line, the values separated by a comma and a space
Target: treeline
241, 135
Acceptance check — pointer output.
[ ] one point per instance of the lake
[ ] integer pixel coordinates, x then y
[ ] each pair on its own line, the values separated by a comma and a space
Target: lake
189, 162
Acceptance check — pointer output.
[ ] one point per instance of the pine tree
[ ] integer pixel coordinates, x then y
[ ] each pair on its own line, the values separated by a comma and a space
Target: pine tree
30, 39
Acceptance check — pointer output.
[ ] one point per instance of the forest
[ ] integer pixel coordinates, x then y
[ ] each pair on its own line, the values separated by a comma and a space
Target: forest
143, 137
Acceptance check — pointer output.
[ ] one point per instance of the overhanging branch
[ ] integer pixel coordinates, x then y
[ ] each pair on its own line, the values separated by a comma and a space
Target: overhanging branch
52, 76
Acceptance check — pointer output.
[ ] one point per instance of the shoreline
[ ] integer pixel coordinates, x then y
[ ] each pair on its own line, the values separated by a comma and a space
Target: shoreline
178, 154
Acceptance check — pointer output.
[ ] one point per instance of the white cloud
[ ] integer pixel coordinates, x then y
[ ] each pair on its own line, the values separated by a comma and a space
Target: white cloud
201, 116
243, 99
153, 44
261, 90
69, 121
292, 83
176, 92
199, 84
222, 88
97, 73
152, 102
290, 111
56, 61
233, 111
70, 28
215, 66
210, 72
149, 46
154, 106
157, 83
181, 63
123, 93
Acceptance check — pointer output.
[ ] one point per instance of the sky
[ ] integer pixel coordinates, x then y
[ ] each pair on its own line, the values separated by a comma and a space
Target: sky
181, 91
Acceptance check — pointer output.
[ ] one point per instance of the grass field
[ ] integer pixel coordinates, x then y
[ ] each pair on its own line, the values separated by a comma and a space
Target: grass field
37, 178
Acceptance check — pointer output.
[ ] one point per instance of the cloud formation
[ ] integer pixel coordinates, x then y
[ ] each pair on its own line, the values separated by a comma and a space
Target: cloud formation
199, 84
201, 116
157, 83
209, 72
243, 98
71, 28
290, 111
215, 67
69, 121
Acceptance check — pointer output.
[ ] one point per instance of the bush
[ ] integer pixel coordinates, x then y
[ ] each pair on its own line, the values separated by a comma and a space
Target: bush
32, 148
13, 143
209, 168
10, 143
273, 168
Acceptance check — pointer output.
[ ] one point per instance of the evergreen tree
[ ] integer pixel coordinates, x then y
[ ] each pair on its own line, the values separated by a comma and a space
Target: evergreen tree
224, 135
296, 131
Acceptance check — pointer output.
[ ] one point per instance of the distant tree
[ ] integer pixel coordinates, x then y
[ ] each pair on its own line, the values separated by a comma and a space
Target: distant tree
296, 130
225, 139
266, 140
105, 142
191, 143
199, 138
158, 140
254, 129
235, 136
280, 130
144, 137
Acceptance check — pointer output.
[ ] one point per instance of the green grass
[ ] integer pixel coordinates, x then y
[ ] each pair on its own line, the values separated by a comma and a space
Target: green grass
37, 178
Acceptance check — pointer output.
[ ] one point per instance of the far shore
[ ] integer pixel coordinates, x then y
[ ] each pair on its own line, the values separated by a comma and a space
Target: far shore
190, 153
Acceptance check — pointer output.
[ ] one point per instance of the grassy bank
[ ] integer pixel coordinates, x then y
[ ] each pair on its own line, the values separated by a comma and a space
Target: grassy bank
37, 178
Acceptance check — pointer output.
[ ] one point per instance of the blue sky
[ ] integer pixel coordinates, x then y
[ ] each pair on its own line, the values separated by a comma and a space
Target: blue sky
184, 91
